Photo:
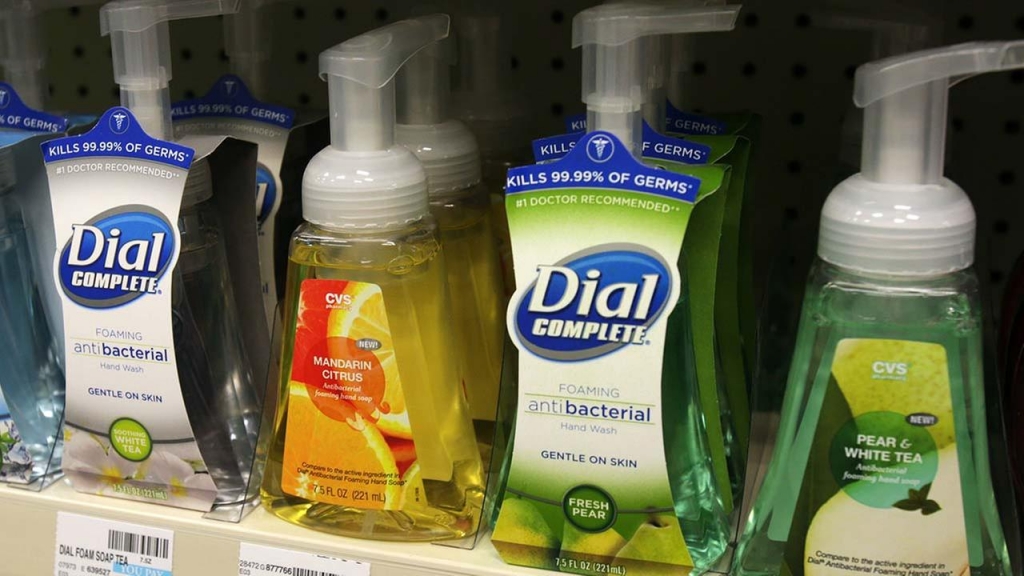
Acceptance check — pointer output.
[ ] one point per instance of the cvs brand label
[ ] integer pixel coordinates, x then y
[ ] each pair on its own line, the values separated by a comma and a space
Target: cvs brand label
593, 303
881, 370
117, 257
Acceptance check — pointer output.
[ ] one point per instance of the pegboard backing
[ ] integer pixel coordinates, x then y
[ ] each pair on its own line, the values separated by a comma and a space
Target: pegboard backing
777, 63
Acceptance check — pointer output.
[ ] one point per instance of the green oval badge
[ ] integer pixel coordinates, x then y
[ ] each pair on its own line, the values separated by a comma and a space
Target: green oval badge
589, 508
130, 439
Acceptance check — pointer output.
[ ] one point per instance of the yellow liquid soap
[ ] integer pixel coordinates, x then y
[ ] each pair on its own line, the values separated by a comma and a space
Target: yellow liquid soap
478, 299
373, 437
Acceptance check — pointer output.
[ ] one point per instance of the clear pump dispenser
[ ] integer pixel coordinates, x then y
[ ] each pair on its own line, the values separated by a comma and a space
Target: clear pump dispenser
459, 202
248, 43
221, 398
882, 453
367, 294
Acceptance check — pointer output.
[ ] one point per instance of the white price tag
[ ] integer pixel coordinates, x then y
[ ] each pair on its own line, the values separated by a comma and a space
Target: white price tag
255, 560
89, 546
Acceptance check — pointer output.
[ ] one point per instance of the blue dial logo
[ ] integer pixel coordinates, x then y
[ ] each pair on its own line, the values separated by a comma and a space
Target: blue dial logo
266, 193
117, 257
593, 303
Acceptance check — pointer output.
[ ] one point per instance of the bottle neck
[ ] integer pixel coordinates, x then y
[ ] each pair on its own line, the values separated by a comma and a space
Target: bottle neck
905, 136
362, 118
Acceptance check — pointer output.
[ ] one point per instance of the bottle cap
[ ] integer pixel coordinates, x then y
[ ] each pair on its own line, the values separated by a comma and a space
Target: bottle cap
364, 179
23, 49
141, 51
899, 215
613, 66
446, 147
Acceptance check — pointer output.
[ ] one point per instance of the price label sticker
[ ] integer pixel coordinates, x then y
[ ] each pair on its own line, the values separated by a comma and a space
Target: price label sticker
88, 546
256, 560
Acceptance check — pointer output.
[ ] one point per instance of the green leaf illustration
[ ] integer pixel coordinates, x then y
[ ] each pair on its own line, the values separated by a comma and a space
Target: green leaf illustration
910, 505
930, 507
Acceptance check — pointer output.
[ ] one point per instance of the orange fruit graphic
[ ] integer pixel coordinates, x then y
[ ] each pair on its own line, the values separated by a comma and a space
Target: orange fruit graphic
367, 319
353, 444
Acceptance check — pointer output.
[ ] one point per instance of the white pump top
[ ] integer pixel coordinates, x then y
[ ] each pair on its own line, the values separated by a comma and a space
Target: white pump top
141, 50
613, 39
247, 42
446, 147
364, 180
23, 50
899, 215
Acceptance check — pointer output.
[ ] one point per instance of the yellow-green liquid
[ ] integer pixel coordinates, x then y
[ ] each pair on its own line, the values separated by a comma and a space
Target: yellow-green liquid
478, 300
409, 267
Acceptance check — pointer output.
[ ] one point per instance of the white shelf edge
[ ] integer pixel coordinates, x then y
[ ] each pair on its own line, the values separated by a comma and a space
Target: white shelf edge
28, 523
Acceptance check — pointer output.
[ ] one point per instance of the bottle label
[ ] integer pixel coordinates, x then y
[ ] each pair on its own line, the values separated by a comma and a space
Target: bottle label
892, 466
15, 115
680, 122
229, 109
596, 239
136, 366
15, 461
348, 440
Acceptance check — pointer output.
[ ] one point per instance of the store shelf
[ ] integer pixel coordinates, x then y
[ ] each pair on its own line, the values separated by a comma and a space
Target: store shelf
210, 548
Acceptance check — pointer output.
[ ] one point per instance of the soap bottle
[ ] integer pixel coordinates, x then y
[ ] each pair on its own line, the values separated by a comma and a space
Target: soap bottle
882, 459
213, 368
459, 202
31, 381
495, 109
370, 381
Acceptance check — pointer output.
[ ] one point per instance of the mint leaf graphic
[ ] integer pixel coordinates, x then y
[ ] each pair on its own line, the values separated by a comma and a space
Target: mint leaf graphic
930, 507
925, 490
910, 505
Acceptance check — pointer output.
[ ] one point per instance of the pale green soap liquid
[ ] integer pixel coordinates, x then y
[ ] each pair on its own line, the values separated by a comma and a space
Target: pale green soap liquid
944, 310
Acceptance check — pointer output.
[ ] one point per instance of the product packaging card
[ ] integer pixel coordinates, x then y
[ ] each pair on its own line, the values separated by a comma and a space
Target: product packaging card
711, 261
607, 422
31, 330
156, 266
287, 140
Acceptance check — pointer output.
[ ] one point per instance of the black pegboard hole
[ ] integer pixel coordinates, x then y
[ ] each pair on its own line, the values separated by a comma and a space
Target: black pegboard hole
699, 68
189, 93
74, 11
514, 63
751, 20
304, 99
186, 54
749, 69
301, 57
1007, 177
83, 91
799, 71
797, 119
792, 213
1011, 127
382, 14
1020, 23
803, 21
115, 92
557, 16
995, 276
966, 22
557, 64
339, 13
223, 56
1017, 76
299, 13
1001, 226
51, 89
557, 109
850, 72
794, 167
958, 124
78, 51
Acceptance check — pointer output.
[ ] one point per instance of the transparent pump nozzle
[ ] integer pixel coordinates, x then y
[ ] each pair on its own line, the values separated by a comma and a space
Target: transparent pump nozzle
895, 29
23, 50
424, 85
360, 77
615, 38
899, 215
247, 42
141, 51
906, 99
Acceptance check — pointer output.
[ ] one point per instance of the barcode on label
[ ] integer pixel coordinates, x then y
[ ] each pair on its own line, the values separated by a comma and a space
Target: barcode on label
296, 571
138, 544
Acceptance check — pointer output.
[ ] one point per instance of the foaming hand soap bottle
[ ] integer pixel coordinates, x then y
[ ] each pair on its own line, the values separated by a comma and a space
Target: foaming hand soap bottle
460, 204
370, 381
882, 458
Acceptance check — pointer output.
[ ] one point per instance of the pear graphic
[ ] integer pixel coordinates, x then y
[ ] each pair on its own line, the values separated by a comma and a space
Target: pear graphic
600, 547
657, 548
522, 536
